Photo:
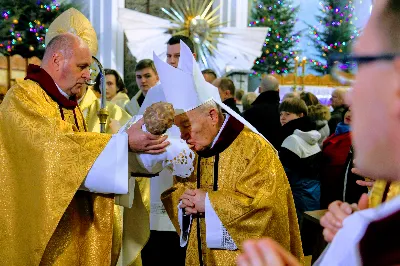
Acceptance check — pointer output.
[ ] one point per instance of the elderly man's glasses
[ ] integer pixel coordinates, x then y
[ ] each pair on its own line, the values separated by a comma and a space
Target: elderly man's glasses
344, 68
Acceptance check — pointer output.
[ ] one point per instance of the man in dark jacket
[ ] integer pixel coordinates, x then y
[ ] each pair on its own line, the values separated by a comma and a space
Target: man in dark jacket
264, 113
339, 108
226, 90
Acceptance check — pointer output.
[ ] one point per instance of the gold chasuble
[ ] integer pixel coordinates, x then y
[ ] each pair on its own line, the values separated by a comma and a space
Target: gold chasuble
121, 99
90, 106
383, 191
248, 190
131, 225
45, 155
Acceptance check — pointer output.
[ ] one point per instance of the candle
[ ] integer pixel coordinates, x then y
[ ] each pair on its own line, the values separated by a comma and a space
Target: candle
296, 66
303, 71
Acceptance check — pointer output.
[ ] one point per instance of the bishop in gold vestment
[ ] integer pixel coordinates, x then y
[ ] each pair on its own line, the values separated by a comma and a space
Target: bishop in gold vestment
238, 190
248, 190
132, 224
45, 155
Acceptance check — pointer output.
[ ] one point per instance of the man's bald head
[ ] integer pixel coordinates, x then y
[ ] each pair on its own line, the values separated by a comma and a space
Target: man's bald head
269, 83
64, 44
67, 59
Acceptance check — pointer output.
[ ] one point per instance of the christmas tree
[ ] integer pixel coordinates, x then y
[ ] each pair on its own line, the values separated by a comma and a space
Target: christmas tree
335, 32
279, 47
24, 23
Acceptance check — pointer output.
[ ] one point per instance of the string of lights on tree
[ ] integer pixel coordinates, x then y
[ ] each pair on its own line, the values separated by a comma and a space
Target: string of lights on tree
279, 48
23, 25
335, 32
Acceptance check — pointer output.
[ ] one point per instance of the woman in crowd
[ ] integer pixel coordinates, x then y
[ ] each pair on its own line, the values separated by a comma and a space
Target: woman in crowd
337, 180
116, 91
309, 98
300, 155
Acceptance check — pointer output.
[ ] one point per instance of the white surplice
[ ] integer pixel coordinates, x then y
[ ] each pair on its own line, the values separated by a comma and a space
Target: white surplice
344, 250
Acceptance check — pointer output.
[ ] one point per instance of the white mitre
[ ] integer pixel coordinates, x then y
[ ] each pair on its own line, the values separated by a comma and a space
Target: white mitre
186, 89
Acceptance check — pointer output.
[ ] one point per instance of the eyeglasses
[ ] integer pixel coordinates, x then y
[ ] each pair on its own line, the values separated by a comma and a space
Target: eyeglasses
344, 68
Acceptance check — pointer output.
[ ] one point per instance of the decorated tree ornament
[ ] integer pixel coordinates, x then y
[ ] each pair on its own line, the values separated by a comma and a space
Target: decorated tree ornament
23, 25
335, 32
280, 43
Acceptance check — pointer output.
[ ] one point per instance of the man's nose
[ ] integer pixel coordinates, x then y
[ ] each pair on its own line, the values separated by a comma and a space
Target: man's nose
86, 74
184, 135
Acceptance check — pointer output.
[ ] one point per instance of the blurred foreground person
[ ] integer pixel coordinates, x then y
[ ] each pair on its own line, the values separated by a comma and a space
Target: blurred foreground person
367, 237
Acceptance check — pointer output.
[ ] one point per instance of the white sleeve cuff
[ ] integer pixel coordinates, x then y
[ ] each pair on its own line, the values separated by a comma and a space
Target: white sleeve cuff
185, 223
216, 234
109, 173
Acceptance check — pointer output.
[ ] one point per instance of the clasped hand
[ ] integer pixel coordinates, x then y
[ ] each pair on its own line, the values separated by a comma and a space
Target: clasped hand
193, 201
144, 142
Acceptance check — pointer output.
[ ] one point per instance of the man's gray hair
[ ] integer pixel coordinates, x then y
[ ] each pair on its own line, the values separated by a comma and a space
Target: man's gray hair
248, 100
290, 95
207, 106
341, 92
269, 83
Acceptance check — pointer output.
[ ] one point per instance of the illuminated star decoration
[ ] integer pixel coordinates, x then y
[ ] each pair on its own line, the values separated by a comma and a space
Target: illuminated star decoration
194, 19
220, 48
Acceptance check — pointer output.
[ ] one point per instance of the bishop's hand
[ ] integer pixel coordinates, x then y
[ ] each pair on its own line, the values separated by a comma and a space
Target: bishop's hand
144, 142
187, 202
193, 201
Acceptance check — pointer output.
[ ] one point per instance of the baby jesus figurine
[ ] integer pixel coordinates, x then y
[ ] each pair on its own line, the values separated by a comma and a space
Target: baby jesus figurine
159, 117
178, 157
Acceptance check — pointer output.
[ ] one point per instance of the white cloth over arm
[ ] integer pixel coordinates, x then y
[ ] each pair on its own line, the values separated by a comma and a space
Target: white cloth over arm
216, 234
109, 173
159, 219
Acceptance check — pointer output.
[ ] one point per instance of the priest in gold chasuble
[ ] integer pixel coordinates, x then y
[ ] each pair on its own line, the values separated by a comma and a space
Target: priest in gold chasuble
239, 189
57, 180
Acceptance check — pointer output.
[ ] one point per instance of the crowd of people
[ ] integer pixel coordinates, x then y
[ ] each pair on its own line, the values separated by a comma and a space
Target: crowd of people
261, 162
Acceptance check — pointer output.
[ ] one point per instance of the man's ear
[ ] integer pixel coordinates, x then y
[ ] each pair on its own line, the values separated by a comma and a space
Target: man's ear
301, 115
213, 113
56, 60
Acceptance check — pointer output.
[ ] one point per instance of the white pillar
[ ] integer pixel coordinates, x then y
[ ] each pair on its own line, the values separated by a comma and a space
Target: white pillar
242, 13
230, 11
104, 18
234, 12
